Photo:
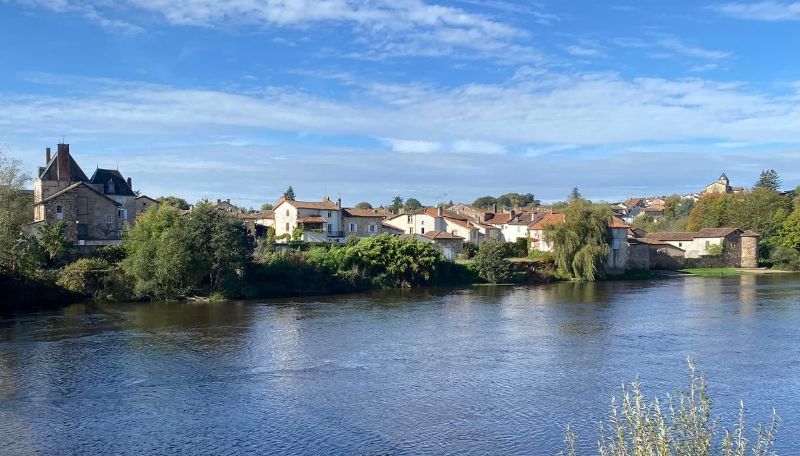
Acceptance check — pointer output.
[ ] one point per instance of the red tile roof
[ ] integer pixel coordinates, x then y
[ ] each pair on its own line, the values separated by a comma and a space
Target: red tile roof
356, 212
325, 204
313, 219
548, 219
441, 235
715, 232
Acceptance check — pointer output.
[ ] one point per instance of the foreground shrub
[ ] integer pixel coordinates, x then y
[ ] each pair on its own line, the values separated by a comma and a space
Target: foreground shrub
785, 258
681, 426
94, 277
491, 264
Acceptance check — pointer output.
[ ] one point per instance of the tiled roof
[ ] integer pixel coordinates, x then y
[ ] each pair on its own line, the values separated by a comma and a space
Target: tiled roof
313, 219
715, 232
670, 236
434, 212
146, 197
548, 219
617, 223
500, 219
633, 202
441, 235
325, 204
73, 187
356, 212
461, 223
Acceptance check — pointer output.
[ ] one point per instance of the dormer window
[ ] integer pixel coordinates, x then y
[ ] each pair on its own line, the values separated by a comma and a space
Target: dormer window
110, 186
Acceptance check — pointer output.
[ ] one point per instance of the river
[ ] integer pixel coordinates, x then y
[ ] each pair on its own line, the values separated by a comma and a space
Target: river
467, 371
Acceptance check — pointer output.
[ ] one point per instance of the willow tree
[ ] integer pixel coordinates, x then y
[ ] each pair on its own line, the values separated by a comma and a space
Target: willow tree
581, 242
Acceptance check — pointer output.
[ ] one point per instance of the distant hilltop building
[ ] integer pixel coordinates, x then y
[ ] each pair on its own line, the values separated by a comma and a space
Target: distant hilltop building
722, 186
95, 210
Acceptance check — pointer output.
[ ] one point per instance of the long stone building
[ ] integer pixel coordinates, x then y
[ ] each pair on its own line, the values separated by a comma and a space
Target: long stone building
95, 210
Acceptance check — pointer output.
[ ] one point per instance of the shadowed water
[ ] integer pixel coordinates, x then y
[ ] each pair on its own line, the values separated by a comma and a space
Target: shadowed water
475, 371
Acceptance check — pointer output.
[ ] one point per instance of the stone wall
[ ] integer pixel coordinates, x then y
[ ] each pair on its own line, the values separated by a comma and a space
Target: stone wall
638, 257
82, 206
362, 226
749, 252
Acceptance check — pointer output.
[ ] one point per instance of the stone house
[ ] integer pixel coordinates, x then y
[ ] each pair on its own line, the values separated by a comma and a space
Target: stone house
363, 222
439, 219
226, 206
513, 225
143, 203
95, 210
739, 248
722, 186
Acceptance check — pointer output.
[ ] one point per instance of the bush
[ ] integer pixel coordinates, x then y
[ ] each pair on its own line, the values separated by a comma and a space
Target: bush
785, 258
469, 250
682, 426
517, 249
111, 253
716, 250
491, 263
97, 278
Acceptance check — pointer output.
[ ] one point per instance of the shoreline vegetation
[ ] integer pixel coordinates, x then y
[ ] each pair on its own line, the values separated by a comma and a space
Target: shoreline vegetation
680, 424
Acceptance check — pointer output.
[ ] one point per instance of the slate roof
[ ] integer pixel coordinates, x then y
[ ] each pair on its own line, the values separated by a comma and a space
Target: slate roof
107, 177
50, 171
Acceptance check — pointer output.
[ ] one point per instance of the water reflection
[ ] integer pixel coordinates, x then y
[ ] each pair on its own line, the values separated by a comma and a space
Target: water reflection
469, 371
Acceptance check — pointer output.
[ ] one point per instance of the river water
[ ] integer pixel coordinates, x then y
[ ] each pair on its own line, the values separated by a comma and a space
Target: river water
468, 371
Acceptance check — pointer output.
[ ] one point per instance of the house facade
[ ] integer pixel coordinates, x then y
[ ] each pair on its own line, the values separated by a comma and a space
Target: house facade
722, 186
320, 221
143, 203
363, 222
438, 219
95, 210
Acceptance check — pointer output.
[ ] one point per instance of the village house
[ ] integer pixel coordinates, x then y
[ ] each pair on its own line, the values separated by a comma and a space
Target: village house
737, 248
319, 221
513, 225
618, 257
447, 243
363, 222
438, 219
143, 203
722, 186
226, 206
95, 210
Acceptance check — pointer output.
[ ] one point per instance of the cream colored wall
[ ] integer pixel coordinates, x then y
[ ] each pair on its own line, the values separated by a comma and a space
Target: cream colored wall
417, 223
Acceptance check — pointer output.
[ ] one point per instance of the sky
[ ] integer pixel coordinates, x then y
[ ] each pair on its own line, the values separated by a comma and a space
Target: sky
435, 100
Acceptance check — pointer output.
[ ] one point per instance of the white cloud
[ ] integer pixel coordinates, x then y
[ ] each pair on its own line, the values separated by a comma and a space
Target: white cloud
471, 146
761, 11
583, 51
413, 146
692, 51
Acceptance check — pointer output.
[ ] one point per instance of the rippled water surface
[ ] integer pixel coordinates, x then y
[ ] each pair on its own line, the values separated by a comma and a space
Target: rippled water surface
475, 371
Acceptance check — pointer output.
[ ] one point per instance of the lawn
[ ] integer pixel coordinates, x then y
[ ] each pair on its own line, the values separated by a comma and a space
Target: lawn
713, 272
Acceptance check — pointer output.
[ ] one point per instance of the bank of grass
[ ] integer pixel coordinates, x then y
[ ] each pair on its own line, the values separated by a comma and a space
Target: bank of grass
713, 272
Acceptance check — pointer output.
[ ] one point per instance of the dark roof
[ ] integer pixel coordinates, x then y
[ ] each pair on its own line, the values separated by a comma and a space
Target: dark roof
715, 232
73, 187
441, 235
112, 181
50, 171
146, 197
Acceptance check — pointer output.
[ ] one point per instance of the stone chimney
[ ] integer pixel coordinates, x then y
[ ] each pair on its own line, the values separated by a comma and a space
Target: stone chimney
47, 156
219, 200
513, 213
439, 211
338, 203
228, 201
62, 157
494, 208
130, 183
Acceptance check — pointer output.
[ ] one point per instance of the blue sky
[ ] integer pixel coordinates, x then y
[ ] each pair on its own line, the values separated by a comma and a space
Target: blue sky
435, 100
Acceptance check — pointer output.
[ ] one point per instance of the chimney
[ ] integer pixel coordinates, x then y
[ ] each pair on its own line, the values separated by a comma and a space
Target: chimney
130, 183
62, 157
494, 208
228, 201
439, 211
513, 213
47, 156
219, 200
338, 203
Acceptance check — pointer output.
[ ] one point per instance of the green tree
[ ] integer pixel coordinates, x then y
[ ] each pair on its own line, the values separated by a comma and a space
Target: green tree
363, 205
397, 204
768, 179
174, 201
16, 209
412, 204
266, 207
485, 202
491, 264
52, 237
581, 243
790, 231
575, 194
289, 194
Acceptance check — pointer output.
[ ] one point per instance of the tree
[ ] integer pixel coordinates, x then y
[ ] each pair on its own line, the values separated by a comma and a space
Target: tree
575, 194
266, 207
53, 240
485, 202
174, 201
790, 231
412, 204
363, 205
581, 243
15, 208
397, 204
491, 264
768, 179
289, 194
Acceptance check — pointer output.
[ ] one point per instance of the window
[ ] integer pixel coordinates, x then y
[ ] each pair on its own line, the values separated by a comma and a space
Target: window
108, 219
372, 228
422, 222
330, 228
411, 231
680, 244
59, 213
352, 227
410, 219
287, 214
287, 227
615, 244
329, 215
122, 214
422, 230
708, 244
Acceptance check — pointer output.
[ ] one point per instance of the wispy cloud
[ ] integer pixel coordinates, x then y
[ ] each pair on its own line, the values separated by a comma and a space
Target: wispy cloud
583, 51
761, 11
691, 51
388, 27
665, 46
